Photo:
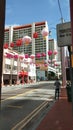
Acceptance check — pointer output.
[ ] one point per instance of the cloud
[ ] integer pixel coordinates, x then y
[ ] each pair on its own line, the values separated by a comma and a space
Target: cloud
7, 26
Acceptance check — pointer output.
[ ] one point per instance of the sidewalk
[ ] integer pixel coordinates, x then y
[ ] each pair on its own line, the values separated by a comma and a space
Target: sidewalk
9, 88
60, 116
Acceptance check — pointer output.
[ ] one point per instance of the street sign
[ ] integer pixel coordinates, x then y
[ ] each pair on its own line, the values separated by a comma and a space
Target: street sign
64, 34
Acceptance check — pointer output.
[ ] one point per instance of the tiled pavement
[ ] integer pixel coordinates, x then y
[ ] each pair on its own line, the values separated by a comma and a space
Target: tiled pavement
60, 116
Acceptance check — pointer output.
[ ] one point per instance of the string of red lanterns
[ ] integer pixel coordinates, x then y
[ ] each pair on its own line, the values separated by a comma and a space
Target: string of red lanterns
6, 46
26, 40
19, 42
35, 35
12, 44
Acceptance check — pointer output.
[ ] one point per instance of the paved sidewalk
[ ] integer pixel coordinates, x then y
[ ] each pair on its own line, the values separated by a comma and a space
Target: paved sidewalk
9, 88
60, 116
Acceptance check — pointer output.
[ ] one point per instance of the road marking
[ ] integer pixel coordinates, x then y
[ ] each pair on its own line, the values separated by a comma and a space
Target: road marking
19, 95
14, 106
27, 119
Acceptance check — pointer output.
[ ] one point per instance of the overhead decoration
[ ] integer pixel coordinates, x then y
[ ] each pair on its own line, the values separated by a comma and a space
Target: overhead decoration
26, 40
55, 64
19, 42
50, 52
12, 44
38, 55
37, 65
26, 56
6, 46
35, 35
9, 55
46, 65
49, 61
21, 57
16, 56
45, 32
53, 60
43, 54
55, 52
32, 56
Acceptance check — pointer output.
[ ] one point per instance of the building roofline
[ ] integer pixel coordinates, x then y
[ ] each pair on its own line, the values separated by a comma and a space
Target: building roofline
26, 26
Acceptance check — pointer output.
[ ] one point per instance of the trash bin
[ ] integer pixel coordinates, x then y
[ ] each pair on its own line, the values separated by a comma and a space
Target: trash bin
69, 96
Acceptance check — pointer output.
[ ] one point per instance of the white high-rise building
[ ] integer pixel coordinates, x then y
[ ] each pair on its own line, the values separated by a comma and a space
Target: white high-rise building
38, 45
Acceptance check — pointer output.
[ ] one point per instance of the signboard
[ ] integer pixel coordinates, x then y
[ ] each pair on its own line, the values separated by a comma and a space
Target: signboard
43, 68
64, 34
39, 61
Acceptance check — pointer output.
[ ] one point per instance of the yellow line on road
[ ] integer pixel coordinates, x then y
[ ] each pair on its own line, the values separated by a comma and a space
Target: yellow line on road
19, 95
14, 106
23, 122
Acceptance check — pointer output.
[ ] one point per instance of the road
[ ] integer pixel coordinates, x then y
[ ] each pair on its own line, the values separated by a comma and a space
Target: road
21, 105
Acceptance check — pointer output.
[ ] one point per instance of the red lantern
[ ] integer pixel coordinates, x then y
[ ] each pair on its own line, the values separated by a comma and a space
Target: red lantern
6, 46
16, 56
37, 65
55, 64
11, 44
26, 56
8, 55
32, 56
49, 61
38, 55
21, 57
43, 54
50, 52
35, 35
46, 65
55, 52
19, 42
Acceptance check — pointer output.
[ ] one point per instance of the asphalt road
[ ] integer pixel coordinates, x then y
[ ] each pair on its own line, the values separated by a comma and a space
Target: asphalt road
21, 105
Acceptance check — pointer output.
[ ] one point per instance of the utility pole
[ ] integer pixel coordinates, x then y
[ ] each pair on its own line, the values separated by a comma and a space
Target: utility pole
62, 54
2, 23
63, 63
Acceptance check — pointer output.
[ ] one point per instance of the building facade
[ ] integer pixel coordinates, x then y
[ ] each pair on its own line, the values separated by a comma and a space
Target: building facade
38, 45
15, 64
55, 65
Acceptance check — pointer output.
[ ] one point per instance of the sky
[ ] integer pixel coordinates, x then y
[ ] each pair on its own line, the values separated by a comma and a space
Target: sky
21, 12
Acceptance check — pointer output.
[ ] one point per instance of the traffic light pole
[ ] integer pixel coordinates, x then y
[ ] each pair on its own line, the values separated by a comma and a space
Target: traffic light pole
2, 23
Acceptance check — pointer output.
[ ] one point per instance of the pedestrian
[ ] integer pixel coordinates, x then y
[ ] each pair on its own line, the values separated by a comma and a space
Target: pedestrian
57, 85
